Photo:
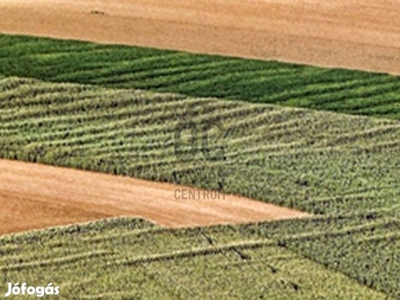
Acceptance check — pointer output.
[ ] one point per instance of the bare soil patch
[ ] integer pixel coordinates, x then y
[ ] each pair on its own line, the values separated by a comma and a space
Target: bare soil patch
34, 196
356, 34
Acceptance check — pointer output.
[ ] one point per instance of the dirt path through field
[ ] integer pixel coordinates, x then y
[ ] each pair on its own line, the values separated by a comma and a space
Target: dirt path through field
359, 34
34, 196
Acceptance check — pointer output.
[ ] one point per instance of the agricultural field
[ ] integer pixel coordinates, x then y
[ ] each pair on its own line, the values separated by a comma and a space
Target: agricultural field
319, 162
322, 141
353, 34
36, 196
338, 166
133, 259
346, 91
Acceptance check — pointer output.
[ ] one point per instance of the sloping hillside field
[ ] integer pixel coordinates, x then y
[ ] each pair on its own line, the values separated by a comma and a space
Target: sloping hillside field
241, 127
35, 196
355, 34
338, 90
131, 259
320, 162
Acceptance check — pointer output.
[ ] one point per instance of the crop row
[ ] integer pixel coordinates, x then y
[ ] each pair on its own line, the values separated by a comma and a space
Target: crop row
320, 162
196, 75
362, 246
228, 262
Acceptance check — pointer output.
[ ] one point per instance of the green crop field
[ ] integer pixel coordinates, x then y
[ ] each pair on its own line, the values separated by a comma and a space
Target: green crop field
344, 167
201, 75
134, 111
320, 162
131, 259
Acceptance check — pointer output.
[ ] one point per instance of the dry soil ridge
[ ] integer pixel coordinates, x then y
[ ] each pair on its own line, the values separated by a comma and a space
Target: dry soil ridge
355, 34
34, 196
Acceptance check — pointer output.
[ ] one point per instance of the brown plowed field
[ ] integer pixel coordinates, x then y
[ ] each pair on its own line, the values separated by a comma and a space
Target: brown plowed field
359, 34
34, 196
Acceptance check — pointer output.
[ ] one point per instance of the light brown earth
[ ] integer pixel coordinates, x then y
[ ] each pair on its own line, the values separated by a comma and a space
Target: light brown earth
34, 196
358, 34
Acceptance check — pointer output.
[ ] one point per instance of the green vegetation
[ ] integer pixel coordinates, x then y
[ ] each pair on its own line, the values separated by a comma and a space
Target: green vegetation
130, 259
320, 162
337, 90
363, 246
345, 169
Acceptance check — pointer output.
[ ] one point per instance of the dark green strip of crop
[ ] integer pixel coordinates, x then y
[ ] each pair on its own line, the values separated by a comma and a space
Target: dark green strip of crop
198, 75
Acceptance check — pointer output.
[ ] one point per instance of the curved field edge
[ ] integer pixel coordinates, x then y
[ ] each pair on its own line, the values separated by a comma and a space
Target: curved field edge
255, 261
38, 196
317, 162
346, 91
321, 162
